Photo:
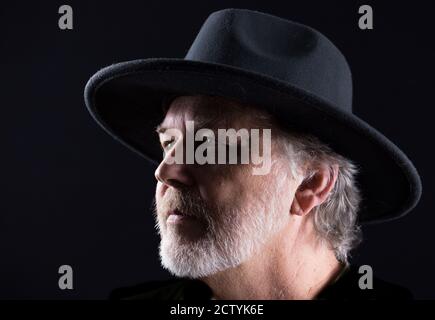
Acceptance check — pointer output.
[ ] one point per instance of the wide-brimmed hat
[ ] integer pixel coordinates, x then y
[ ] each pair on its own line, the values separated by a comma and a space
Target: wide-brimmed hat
289, 69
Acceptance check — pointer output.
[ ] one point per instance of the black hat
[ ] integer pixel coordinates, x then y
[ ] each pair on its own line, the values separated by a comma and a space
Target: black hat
290, 69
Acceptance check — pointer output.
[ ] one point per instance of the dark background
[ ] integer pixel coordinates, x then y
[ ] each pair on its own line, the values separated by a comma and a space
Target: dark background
71, 195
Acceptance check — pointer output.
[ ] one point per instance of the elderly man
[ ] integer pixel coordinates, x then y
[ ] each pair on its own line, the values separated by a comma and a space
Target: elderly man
229, 231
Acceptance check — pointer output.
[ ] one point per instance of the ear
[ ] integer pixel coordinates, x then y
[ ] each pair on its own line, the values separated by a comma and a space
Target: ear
315, 191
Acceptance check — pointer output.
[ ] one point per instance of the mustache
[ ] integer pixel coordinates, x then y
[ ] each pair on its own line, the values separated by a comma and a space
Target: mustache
186, 201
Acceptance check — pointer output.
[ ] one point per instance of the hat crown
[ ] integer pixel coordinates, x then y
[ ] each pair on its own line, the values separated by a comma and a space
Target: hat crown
291, 52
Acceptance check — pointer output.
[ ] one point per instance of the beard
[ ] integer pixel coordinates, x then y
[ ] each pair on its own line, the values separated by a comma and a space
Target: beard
226, 235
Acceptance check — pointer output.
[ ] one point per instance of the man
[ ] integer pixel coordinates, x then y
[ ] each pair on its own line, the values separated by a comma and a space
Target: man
228, 231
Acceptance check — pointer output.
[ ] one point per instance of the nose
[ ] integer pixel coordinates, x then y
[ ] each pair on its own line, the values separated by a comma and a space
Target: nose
176, 175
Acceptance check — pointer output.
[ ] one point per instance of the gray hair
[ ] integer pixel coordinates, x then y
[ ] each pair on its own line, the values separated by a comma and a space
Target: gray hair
335, 220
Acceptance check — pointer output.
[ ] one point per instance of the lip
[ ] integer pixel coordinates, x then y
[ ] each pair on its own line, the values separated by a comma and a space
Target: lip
177, 216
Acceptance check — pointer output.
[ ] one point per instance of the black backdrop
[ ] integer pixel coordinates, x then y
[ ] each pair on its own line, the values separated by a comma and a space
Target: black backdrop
71, 195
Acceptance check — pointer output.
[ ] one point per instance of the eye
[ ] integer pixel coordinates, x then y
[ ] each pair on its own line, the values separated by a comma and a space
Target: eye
168, 144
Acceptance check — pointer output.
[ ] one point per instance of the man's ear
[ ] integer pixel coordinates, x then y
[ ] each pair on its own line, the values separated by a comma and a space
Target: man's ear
315, 191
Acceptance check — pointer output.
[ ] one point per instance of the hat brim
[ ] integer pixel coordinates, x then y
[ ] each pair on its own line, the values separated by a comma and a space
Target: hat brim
125, 99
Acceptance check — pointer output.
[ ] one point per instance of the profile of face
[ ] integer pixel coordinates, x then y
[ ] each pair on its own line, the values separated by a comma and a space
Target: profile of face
215, 216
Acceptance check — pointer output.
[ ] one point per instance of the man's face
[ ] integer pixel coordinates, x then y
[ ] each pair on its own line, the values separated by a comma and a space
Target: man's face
215, 216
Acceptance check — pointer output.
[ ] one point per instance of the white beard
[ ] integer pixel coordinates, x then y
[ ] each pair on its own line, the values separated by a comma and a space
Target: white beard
237, 236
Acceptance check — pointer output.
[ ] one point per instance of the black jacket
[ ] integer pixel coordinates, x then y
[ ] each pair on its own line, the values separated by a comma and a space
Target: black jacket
345, 288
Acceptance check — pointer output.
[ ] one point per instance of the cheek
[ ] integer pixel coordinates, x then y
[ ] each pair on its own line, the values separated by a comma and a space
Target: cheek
220, 186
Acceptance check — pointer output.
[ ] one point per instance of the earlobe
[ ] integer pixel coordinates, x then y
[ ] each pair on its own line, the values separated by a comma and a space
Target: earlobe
295, 208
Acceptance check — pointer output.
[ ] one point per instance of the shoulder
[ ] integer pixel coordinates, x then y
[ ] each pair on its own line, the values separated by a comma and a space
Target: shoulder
174, 289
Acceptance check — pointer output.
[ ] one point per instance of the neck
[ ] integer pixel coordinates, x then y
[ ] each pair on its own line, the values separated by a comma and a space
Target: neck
287, 267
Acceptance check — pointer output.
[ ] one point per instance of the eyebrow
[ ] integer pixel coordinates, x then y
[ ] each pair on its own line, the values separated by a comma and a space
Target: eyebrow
161, 129
199, 124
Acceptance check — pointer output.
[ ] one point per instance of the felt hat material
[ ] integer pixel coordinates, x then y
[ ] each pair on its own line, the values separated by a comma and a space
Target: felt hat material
290, 69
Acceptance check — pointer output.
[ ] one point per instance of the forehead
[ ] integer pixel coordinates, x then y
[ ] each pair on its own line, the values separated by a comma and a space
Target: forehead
206, 111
